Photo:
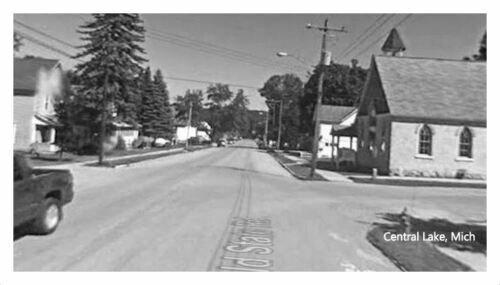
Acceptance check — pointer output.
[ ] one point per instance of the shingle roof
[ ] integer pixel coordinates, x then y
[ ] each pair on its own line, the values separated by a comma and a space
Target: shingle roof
333, 114
434, 88
26, 71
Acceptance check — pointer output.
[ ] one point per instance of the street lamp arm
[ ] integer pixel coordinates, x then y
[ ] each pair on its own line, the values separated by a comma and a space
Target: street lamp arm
298, 58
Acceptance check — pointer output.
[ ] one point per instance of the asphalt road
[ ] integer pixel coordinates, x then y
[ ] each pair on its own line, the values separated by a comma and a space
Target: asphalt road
227, 209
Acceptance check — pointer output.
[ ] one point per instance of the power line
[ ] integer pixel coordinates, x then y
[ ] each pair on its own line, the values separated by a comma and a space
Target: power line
384, 35
364, 33
44, 34
221, 48
210, 82
68, 55
189, 43
205, 50
354, 46
233, 55
45, 45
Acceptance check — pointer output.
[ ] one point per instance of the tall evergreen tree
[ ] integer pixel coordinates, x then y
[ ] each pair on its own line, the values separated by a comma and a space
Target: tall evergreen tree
165, 120
148, 114
112, 60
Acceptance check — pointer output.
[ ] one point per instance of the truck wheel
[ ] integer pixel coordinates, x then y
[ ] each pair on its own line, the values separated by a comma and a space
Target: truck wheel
49, 217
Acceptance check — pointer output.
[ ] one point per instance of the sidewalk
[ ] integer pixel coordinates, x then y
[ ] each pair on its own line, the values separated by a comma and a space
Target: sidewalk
387, 180
417, 181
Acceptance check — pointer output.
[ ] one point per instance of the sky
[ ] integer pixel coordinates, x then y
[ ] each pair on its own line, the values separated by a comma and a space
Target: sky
240, 49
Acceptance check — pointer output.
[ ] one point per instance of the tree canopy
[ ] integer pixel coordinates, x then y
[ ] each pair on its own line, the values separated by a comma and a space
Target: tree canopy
342, 86
287, 89
481, 55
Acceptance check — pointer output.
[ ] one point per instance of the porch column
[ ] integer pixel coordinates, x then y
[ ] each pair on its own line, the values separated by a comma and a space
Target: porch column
52, 135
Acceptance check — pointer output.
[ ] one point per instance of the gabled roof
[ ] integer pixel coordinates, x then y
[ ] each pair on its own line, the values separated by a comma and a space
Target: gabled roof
433, 88
26, 72
333, 114
393, 43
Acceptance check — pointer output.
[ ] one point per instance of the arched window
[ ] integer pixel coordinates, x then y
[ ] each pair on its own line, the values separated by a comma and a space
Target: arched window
465, 146
425, 141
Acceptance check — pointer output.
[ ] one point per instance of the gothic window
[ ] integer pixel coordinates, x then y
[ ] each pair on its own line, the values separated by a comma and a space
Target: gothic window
465, 146
425, 141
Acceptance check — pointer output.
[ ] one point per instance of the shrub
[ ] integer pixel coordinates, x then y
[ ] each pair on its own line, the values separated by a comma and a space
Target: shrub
88, 149
121, 144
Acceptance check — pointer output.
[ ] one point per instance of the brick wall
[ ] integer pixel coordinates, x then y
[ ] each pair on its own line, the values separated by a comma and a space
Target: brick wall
444, 162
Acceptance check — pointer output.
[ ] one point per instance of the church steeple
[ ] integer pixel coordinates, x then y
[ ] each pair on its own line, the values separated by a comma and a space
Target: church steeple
393, 45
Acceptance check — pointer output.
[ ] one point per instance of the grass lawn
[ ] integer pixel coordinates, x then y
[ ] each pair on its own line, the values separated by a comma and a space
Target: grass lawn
423, 255
130, 160
301, 171
54, 159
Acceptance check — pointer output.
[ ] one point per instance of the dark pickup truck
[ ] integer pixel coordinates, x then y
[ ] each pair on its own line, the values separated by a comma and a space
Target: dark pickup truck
39, 195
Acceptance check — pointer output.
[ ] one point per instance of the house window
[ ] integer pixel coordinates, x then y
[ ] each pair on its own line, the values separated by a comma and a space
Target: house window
465, 147
425, 141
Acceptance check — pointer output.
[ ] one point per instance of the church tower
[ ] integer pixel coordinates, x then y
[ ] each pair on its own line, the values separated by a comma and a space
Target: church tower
393, 45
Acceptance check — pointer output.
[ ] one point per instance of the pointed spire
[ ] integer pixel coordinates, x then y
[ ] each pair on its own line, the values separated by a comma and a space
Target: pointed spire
393, 45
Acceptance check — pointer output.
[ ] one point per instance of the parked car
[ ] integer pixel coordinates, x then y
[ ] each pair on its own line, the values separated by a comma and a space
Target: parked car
230, 141
161, 142
39, 148
261, 144
222, 143
39, 195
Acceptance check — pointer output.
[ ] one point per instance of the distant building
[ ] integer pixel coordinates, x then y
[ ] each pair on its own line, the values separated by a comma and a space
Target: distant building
344, 134
331, 118
422, 116
183, 132
128, 132
37, 85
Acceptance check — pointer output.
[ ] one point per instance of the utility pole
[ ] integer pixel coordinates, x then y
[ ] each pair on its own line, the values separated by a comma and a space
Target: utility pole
273, 103
266, 128
323, 62
102, 137
279, 124
188, 124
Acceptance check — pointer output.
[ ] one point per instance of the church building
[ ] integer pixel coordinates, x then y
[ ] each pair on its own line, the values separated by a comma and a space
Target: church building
422, 116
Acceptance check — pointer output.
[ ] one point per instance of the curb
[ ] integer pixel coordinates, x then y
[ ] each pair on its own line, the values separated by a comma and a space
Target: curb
417, 183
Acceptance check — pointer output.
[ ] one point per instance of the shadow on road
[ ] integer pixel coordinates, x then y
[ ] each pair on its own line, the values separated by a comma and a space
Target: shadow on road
20, 232
243, 146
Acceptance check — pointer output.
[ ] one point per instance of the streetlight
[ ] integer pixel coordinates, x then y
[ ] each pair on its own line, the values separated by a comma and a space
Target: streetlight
298, 58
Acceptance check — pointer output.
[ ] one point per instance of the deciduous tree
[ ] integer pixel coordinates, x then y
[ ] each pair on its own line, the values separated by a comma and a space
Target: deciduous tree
288, 89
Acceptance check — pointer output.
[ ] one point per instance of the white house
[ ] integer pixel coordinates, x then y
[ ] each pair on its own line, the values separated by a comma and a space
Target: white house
331, 118
37, 85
